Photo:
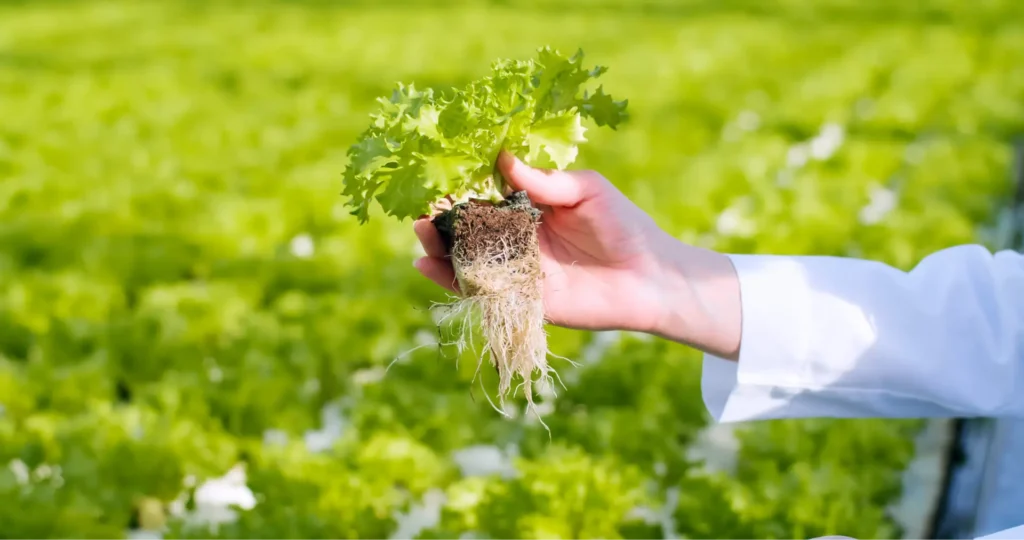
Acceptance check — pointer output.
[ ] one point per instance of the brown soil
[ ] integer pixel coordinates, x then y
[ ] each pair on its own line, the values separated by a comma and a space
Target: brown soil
472, 231
496, 258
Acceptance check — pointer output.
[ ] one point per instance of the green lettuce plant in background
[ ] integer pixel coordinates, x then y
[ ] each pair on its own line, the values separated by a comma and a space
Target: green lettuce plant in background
195, 334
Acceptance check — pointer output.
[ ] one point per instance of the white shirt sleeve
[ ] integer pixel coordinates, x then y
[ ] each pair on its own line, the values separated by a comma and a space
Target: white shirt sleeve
838, 337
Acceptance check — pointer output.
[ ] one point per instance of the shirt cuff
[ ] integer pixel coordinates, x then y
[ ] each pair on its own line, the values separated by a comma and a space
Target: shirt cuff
729, 399
792, 359
776, 317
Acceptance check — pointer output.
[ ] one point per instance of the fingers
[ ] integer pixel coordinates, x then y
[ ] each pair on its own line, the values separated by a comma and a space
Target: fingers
439, 271
554, 188
435, 266
433, 246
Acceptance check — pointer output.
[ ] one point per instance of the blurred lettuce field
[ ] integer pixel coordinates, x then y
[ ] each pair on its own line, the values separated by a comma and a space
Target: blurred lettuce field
189, 316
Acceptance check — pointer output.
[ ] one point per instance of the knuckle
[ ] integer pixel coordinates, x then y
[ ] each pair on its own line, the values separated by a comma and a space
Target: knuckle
593, 181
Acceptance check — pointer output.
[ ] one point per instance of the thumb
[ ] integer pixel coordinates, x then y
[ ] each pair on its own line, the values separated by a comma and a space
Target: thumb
553, 188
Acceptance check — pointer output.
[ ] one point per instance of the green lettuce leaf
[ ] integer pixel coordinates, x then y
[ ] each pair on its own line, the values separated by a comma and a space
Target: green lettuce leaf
422, 146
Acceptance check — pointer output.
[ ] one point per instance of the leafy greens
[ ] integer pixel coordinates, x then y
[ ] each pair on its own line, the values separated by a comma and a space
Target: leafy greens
422, 146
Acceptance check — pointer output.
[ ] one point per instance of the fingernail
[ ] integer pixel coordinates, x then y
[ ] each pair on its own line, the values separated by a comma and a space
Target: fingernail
505, 158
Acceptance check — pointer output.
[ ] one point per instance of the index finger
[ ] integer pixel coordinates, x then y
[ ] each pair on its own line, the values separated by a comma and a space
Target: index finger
429, 238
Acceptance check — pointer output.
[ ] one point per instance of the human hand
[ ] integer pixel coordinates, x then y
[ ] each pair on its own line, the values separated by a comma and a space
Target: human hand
606, 263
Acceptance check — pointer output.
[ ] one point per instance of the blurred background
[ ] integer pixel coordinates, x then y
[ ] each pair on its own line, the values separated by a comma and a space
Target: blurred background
194, 333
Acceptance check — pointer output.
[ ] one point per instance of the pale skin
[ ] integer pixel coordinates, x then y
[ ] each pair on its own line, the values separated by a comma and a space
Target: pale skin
608, 266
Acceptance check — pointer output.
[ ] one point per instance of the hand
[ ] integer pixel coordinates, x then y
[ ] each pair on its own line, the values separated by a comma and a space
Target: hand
607, 265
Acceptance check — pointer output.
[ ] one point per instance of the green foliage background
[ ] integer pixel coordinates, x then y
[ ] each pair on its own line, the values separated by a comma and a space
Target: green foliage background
181, 288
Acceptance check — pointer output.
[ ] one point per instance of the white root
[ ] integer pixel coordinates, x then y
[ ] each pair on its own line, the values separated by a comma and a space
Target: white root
502, 288
507, 298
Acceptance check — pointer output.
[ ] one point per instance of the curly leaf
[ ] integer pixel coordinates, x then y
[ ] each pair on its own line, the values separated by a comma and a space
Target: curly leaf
421, 147
558, 137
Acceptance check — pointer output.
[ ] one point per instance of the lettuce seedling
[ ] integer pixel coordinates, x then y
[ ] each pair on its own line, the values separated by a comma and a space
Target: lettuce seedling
434, 153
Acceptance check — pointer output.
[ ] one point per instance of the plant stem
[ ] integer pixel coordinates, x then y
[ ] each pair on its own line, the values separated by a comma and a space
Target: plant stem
499, 181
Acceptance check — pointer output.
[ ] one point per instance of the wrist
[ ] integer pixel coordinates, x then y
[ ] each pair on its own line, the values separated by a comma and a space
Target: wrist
701, 300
